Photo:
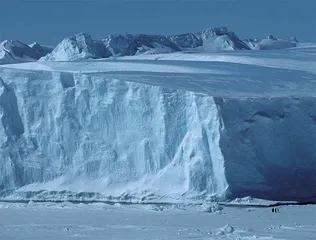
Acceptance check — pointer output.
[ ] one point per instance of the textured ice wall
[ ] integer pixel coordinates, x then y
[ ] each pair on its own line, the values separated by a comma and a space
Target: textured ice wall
82, 133
269, 147
94, 134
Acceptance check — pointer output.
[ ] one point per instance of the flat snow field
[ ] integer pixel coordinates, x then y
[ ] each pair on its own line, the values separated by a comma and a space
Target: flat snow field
101, 221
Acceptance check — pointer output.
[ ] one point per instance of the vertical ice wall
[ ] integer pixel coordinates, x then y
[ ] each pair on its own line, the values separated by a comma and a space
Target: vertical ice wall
81, 133
60, 131
269, 146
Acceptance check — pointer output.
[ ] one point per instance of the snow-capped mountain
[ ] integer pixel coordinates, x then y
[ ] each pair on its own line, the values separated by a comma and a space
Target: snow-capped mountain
41, 49
16, 51
187, 40
270, 43
128, 44
82, 46
222, 39
210, 39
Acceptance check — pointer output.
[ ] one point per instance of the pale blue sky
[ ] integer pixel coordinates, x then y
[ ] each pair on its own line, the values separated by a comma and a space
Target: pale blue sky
49, 21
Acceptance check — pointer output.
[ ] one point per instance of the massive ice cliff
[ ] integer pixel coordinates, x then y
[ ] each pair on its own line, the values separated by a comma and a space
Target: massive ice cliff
145, 134
113, 132
269, 147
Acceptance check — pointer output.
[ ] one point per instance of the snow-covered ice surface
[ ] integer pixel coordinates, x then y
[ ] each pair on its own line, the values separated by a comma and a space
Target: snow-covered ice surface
63, 221
174, 127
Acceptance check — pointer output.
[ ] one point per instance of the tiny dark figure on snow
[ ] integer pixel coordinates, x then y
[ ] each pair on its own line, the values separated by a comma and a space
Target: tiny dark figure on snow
275, 210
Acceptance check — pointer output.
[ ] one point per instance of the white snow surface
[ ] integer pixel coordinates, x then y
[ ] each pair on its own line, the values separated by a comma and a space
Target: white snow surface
35, 221
175, 128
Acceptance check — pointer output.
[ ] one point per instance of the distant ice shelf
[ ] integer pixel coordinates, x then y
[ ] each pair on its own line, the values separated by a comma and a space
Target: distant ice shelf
179, 127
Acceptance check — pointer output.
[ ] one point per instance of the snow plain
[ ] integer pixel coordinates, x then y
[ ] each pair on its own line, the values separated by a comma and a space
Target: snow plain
34, 221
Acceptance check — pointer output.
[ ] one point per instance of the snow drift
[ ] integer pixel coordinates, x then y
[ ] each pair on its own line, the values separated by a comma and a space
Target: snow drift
173, 130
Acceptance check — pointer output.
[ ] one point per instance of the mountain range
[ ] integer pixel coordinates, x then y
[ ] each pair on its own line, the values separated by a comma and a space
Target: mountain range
81, 46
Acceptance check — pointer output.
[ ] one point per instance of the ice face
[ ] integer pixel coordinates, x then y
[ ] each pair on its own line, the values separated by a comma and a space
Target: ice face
81, 128
162, 130
269, 147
